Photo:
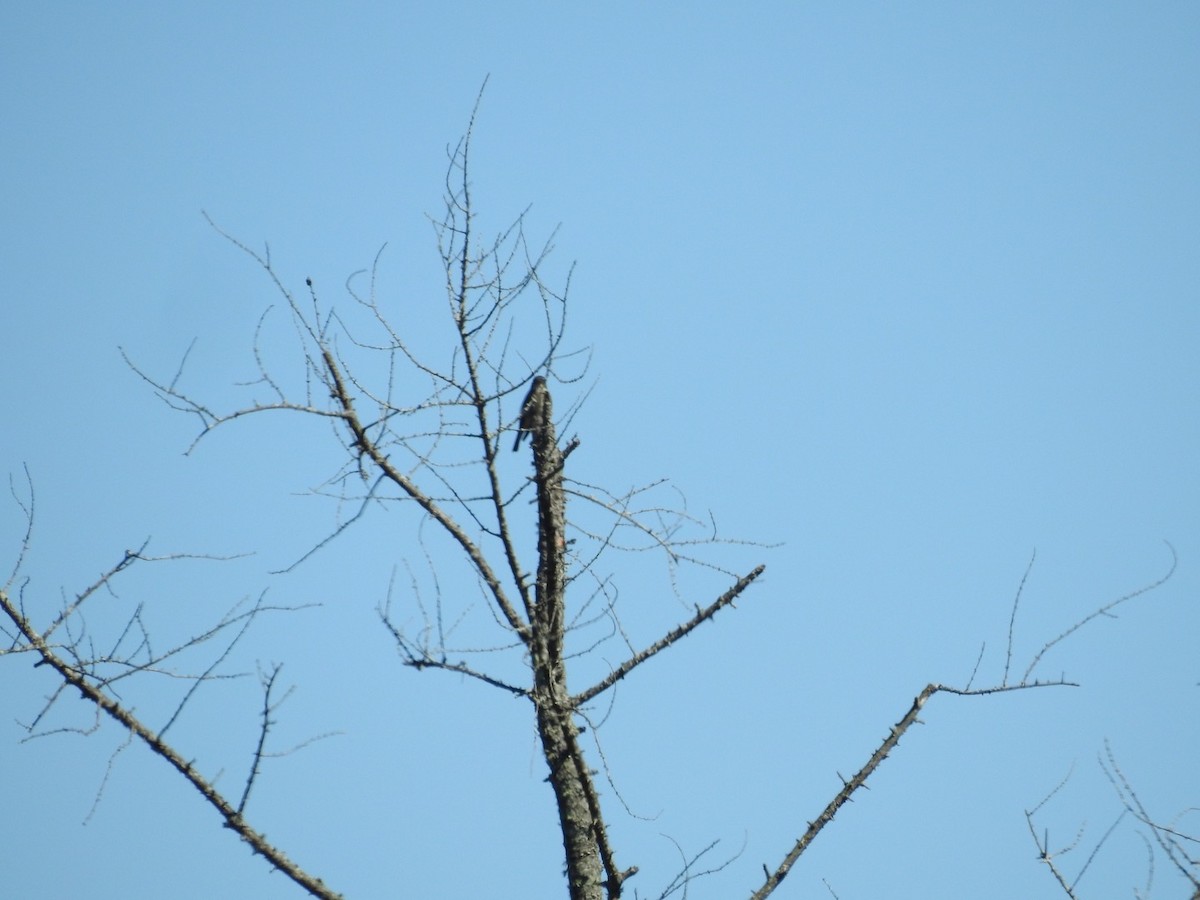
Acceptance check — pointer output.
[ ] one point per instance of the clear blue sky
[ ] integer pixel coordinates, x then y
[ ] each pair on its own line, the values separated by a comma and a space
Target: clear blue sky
911, 290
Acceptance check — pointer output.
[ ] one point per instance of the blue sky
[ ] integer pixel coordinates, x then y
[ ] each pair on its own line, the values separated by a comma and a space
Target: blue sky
908, 290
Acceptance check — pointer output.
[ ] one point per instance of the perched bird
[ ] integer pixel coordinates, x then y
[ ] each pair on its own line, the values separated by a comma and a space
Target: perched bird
531, 410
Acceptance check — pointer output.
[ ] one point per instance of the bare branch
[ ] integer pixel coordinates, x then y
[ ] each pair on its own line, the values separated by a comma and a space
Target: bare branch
1105, 610
702, 615
687, 874
268, 684
1169, 840
232, 817
27, 506
1012, 619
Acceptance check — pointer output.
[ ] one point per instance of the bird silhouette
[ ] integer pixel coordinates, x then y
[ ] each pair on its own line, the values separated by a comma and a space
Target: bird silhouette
531, 410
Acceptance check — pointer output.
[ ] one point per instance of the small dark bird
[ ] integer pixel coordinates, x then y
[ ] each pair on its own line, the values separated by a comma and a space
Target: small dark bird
531, 410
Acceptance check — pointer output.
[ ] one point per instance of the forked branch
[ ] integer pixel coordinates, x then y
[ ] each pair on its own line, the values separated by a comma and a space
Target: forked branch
772, 878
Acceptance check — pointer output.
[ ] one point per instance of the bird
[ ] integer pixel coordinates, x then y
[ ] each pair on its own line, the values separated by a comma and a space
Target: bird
531, 410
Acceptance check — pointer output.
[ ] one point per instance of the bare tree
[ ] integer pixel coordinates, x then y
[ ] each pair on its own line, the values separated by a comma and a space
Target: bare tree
443, 453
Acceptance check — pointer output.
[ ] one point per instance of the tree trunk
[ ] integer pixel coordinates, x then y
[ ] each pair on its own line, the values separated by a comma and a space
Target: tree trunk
556, 722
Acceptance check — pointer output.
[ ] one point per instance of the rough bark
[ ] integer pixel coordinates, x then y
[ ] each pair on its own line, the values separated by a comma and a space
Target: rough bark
556, 724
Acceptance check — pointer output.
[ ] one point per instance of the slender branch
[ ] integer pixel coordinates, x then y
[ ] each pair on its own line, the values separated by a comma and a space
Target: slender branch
268, 683
105, 577
1105, 610
702, 615
1012, 619
774, 878
420, 659
27, 507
